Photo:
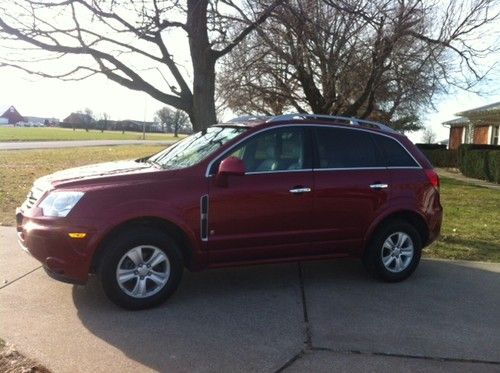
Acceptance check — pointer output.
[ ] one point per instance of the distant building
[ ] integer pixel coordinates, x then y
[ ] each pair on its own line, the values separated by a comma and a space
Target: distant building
41, 121
11, 116
78, 118
136, 125
475, 126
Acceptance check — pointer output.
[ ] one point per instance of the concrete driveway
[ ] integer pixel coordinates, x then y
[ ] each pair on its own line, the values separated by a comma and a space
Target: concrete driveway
327, 316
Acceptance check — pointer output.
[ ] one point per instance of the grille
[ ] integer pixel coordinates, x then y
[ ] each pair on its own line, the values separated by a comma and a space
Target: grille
33, 196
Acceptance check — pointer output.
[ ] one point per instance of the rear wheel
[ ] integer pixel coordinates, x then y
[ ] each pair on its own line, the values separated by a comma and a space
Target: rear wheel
394, 252
141, 269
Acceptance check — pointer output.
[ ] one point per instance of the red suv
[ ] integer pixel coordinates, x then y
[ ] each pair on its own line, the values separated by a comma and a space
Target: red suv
254, 190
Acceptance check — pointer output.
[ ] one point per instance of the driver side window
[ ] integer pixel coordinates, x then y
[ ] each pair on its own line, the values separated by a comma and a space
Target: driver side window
275, 150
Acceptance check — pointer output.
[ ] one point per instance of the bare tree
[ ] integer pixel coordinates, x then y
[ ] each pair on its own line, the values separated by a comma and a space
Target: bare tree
377, 59
173, 120
86, 118
104, 121
112, 37
163, 117
428, 136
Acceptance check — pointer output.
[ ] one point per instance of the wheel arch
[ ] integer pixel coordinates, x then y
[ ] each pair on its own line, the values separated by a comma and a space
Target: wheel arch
409, 216
164, 225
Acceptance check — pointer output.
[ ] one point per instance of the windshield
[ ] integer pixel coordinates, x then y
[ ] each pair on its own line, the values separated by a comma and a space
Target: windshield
195, 148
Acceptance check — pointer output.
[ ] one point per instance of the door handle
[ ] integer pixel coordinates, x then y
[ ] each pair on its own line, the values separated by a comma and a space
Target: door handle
300, 189
379, 186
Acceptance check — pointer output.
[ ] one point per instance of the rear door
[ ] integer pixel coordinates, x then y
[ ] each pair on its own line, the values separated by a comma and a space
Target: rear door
352, 186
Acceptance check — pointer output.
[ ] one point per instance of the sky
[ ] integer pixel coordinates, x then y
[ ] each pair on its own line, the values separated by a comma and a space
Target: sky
44, 97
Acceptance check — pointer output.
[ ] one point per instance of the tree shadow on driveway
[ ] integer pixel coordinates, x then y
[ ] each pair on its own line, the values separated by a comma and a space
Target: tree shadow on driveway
251, 319
241, 319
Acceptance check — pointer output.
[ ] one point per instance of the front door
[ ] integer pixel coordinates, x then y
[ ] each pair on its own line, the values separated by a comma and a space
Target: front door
266, 213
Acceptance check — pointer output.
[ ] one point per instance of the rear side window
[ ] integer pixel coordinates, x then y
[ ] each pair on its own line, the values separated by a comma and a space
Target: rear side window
344, 148
395, 154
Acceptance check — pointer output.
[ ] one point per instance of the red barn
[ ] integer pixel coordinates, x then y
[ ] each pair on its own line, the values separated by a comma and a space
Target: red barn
12, 115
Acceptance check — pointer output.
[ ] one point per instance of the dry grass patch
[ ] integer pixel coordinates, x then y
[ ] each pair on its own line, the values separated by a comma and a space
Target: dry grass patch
19, 168
66, 134
11, 361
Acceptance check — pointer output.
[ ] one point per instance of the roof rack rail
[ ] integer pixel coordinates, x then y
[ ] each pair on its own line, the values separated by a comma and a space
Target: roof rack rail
248, 118
336, 118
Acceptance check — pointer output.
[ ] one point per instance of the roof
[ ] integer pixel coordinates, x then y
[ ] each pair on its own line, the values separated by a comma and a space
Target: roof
456, 121
12, 115
250, 121
490, 107
483, 115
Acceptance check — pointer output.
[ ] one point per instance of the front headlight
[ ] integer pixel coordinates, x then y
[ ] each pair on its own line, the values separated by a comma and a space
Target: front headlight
59, 203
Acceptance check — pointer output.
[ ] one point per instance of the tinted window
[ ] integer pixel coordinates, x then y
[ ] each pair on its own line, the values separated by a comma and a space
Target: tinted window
343, 148
274, 150
395, 154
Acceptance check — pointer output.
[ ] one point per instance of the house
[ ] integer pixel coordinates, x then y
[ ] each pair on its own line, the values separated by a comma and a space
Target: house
476, 126
10, 116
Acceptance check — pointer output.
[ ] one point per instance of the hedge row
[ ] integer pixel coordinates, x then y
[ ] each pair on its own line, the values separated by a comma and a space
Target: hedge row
423, 147
494, 166
442, 157
480, 161
477, 161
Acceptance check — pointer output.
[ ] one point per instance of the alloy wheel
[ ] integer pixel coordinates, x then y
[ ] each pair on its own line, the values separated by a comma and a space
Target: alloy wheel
397, 252
143, 271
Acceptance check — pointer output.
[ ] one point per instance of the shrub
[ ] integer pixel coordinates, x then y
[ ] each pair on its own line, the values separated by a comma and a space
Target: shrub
480, 161
464, 148
442, 157
475, 164
494, 166
430, 146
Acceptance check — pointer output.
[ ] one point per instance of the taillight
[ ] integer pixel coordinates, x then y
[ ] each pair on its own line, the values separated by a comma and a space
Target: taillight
433, 177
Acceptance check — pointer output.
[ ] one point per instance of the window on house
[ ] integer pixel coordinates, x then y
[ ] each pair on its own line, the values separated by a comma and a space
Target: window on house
494, 135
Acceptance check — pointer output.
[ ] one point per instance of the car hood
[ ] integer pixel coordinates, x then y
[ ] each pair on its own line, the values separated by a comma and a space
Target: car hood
93, 171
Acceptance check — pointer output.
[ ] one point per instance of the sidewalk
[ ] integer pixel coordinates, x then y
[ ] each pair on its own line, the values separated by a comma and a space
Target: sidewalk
458, 176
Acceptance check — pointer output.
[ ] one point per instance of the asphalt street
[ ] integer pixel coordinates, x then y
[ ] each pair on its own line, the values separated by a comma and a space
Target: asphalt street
23, 145
309, 317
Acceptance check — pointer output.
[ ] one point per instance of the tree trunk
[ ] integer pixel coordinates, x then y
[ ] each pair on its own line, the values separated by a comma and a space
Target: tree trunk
202, 113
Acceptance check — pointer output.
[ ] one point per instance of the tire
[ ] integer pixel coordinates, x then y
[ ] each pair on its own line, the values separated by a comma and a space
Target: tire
128, 257
399, 246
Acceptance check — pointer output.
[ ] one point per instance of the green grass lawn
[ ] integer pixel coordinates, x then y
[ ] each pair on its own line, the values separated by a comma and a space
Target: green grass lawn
59, 134
471, 213
471, 229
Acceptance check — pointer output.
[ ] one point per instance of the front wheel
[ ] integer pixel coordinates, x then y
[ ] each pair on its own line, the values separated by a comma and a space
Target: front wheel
141, 269
394, 252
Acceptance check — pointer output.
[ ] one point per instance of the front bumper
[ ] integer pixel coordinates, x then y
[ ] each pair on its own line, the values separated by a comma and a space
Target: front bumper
47, 240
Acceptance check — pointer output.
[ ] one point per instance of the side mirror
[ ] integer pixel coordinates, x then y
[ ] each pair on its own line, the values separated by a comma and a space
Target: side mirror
229, 166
